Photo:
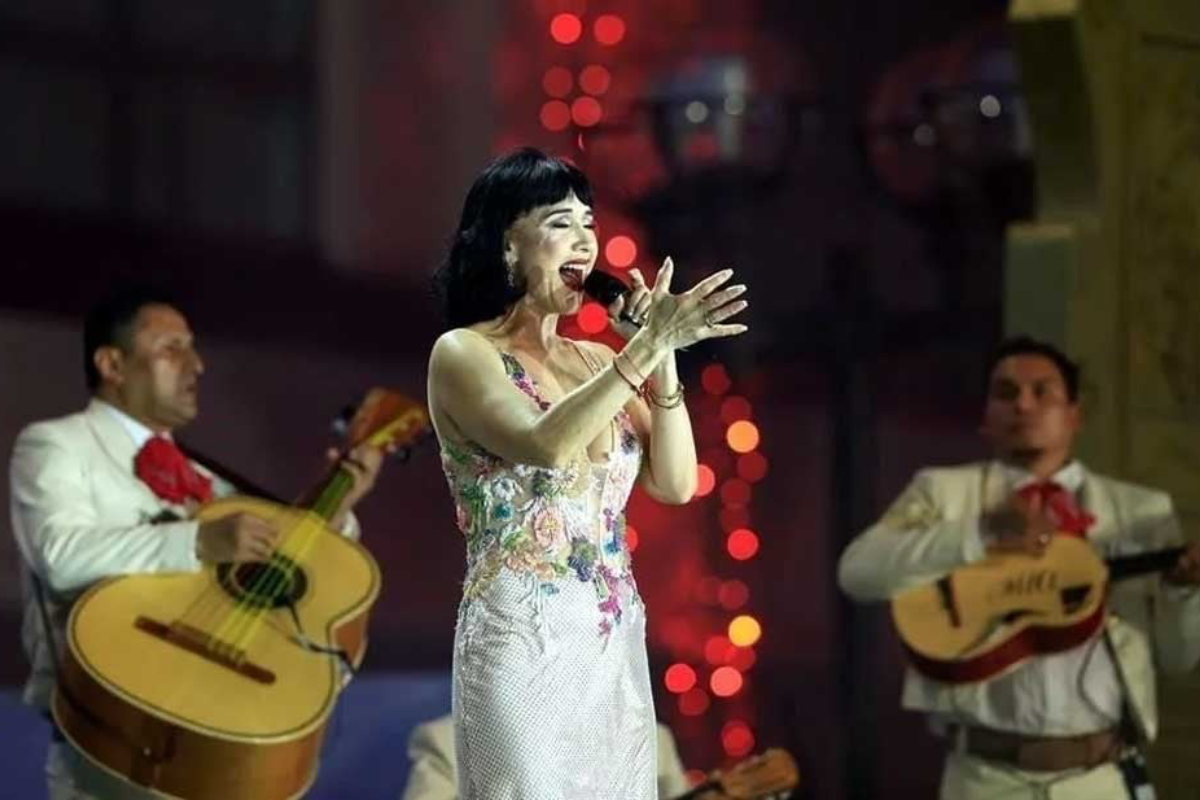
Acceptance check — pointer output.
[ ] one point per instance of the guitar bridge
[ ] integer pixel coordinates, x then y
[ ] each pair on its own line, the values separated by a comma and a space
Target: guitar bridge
206, 646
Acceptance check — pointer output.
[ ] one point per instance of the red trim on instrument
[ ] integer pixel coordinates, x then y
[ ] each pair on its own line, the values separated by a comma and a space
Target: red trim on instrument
1030, 642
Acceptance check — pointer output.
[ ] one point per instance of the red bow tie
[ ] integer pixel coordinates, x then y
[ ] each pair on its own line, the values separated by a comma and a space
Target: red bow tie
1069, 517
167, 471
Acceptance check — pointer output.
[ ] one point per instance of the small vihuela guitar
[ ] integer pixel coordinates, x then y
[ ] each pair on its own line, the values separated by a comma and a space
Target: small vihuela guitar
986, 618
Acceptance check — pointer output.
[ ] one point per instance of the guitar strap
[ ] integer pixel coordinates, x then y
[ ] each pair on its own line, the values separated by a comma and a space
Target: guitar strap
240, 482
1132, 762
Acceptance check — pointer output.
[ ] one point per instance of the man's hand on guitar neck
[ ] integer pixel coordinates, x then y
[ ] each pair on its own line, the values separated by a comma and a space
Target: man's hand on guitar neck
1023, 526
1187, 571
362, 464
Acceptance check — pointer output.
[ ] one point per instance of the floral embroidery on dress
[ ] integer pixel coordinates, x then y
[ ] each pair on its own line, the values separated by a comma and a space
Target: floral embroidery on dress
548, 524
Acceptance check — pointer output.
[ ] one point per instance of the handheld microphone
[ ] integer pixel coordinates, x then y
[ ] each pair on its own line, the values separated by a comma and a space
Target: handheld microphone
605, 288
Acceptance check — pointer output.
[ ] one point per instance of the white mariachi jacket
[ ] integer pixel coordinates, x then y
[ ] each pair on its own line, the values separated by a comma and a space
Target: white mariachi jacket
934, 527
80, 514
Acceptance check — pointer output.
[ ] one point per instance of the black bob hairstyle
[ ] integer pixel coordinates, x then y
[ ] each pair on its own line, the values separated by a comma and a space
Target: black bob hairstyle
473, 283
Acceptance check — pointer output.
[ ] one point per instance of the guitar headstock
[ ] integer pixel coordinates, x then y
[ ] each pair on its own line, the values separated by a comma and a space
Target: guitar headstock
770, 772
386, 418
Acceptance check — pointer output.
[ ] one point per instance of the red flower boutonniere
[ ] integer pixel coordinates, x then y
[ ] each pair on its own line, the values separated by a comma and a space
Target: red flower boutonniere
166, 470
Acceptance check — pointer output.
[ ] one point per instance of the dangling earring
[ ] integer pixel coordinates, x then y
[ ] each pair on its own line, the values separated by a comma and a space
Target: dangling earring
510, 272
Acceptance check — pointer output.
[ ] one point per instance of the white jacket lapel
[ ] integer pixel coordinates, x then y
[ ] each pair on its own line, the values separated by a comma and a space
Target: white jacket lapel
114, 442
1097, 499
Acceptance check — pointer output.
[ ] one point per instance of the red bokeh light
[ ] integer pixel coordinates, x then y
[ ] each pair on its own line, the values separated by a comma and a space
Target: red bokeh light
725, 682
555, 115
679, 678
693, 703
734, 594
743, 659
742, 544
592, 318
558, 82
715, 379
620, 251
752, 467
586, 111
595, 79
735, 409
742, 436
609, 29
735, 492
706, 480
737, 738
718, 650
566, 28
631, 537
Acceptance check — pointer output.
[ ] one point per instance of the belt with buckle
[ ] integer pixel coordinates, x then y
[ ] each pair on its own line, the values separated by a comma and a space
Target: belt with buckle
1042, 754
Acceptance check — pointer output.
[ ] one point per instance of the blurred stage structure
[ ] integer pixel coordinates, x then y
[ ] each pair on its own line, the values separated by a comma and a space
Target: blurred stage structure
1109, 269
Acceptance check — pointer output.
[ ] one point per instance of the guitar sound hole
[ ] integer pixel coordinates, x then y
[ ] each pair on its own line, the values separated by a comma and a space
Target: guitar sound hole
1074, 597
275, 584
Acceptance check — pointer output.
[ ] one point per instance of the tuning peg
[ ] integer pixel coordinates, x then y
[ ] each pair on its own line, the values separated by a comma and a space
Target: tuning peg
341, 423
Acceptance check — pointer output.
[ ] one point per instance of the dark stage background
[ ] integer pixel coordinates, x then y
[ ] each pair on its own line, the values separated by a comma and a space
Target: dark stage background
291, 168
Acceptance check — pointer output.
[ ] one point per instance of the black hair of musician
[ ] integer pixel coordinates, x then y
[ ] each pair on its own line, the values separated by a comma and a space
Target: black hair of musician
1028, 346
110, 323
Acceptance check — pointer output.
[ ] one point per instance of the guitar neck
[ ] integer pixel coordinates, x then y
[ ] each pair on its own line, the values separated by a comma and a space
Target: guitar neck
1132, 566
329, 498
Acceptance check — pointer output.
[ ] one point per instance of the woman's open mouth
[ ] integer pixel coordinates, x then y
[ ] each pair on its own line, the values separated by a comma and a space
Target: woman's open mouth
572, 275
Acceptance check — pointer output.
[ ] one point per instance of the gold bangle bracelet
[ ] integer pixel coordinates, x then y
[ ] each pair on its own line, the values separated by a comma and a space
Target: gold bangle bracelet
673, 400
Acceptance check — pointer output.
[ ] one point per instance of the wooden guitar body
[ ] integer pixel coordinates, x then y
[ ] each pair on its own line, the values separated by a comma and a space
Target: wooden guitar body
189, 685
986, 618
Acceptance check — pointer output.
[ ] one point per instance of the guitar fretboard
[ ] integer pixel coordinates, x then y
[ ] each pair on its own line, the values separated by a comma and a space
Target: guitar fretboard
1132, 566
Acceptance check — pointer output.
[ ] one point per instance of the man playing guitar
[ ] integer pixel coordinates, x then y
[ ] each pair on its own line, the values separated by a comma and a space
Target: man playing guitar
105, 492
1072, 719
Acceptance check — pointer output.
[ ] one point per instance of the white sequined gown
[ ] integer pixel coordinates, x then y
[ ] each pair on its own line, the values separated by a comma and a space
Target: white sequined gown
551, 687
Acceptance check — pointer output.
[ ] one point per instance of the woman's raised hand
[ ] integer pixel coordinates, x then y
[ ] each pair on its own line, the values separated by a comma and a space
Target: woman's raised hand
674, 321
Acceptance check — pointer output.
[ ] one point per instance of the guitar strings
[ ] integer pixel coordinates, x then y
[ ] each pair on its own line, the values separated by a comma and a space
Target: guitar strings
251, 604
246, 619
324, 507
260, 597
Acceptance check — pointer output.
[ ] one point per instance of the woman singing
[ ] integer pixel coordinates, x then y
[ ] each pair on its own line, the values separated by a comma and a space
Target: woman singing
542, 439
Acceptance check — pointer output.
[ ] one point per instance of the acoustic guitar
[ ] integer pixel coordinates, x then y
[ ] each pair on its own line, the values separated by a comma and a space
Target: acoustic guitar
217, 685
773, 772
986, 618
